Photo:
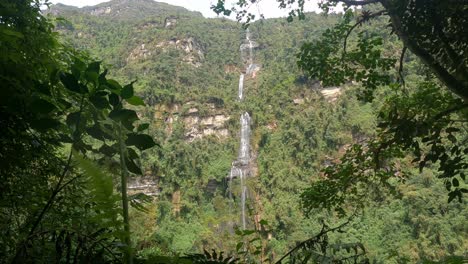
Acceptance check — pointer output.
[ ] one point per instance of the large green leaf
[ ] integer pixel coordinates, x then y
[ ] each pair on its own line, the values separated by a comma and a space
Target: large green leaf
127, 91
123, 115
135, 100
70, 82
132, 166
141, 141
43, 124
42, 106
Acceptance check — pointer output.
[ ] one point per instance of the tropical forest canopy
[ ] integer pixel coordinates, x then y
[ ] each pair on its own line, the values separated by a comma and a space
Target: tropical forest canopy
121, 133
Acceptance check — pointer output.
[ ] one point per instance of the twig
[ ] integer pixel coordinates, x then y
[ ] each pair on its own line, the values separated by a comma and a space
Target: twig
359, 3
359, 22
400, 68
322, 232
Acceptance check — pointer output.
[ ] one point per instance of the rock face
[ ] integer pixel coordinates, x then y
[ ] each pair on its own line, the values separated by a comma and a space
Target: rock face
331, 93
212, 123
170, 22
139, 52
198, 127
194, 54
146, 184
101, 11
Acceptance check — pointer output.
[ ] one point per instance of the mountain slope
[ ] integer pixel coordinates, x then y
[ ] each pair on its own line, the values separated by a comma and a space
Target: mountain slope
187, 68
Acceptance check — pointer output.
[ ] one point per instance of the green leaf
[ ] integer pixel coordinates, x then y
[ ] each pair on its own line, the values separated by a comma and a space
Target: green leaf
132, 153
99, 102
142, 127
127, 91
139, 200
452, 129
42, 106
70, 82
44, 124
72, 119
132, 167
123, 115
452, 138
97, 133
141, 141
91, 76
248, 232
114, 85
11, 33
78, 67
114, 99
239, 246
94, 67
109, 151
102, 77
135, 100
452, 196
102, 194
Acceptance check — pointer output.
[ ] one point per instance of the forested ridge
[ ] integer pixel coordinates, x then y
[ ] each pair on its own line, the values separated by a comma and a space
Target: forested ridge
120, 125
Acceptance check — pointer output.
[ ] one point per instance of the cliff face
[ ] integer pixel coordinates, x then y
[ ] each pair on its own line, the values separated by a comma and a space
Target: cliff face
212, 122
192, 51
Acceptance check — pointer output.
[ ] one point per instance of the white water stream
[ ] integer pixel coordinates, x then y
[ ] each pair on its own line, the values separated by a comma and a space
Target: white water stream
241, 167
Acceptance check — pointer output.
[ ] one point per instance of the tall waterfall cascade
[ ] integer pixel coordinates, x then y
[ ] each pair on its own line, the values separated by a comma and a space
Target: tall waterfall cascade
241, 166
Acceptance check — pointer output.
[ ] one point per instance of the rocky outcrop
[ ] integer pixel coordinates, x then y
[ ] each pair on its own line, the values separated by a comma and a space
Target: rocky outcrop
193, 50
140, 52
198, 127
212, 123
194, 54
331, 93
148, 25
170, 22
101, 11
146, 184
298, 101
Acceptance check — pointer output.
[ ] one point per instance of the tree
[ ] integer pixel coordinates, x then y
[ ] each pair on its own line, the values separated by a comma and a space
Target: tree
60, 116
420, 119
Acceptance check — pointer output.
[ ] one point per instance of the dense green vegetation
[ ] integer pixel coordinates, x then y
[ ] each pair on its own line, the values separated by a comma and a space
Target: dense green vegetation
71, 136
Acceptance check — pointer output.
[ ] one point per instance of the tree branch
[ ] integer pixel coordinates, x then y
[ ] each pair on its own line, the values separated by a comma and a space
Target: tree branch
359, 3
458, 87
363, 19
323, 231
400, 68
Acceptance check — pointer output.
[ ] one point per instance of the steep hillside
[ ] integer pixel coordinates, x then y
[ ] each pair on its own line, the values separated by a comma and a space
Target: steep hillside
187, 68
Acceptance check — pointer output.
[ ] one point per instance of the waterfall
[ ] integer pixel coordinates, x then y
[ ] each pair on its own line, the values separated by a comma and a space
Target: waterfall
243, 197
241, 167
244, 149
241, 87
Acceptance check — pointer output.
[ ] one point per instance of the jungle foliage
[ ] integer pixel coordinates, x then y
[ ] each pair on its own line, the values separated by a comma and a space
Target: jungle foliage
351, 178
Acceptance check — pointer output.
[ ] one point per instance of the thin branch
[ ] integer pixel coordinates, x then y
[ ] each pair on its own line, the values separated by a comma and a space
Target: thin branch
57, 189
450, 110
400, 68
359, 3
359, 22
61, 178
453, 84
322, 232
